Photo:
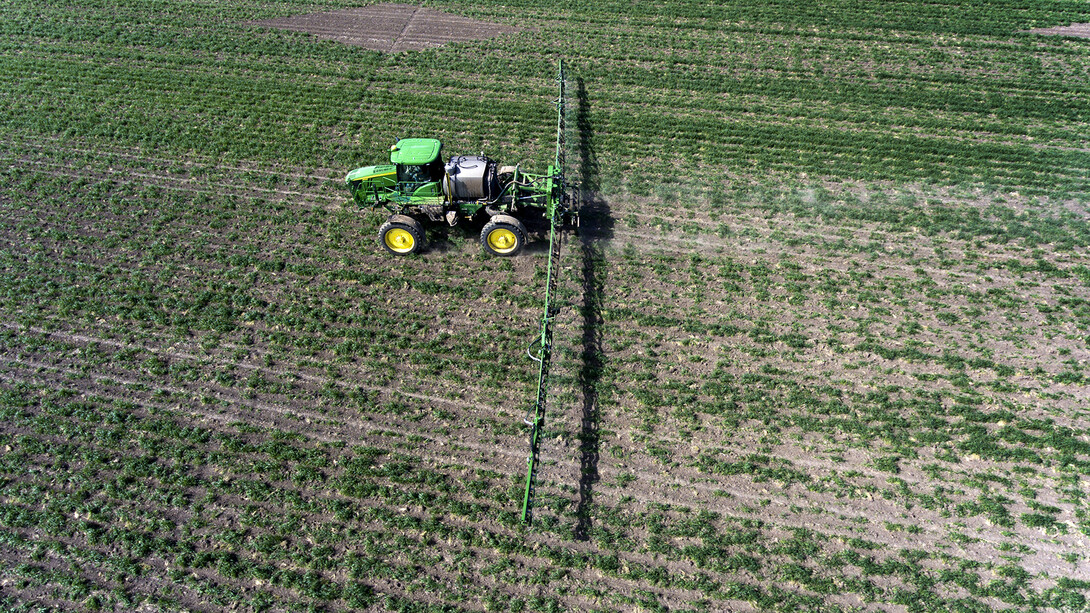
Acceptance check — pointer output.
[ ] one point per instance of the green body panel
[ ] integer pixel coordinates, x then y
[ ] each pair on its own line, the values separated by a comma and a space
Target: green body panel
370, 184
415, 151
428, 190
386, 174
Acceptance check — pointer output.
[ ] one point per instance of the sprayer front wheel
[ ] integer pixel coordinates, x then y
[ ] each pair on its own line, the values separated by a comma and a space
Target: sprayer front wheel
402, 235
503, 236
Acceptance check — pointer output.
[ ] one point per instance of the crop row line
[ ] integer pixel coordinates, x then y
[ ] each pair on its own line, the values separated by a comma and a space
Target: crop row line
261, 418
674, 483
100, 562
103, 154
687, 565
474, 525
174, 351
484, 456
522, 558
355, 286
184, 185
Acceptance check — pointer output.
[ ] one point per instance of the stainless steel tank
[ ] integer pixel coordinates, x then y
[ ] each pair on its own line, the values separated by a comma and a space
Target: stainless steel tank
471, 177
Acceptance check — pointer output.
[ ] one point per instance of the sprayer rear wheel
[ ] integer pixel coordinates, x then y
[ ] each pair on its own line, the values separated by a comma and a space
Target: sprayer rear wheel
402, 235
503, 236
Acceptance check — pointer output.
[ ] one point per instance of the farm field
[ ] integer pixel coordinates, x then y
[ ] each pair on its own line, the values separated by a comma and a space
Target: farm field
823, 345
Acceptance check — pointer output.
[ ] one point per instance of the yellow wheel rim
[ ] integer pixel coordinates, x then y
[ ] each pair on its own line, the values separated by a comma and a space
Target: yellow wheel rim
502, 240
399, 240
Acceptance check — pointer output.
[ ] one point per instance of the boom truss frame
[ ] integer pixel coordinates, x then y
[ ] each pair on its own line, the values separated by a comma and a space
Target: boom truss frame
557, 210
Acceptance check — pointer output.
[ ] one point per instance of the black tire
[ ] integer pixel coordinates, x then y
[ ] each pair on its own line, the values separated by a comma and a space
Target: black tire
503, 236
401, 235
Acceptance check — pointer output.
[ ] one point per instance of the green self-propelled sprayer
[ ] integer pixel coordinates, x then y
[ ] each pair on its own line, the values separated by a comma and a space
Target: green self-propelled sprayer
417, 187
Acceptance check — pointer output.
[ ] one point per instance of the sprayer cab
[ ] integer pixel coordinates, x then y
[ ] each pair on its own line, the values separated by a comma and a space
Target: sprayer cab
417, 161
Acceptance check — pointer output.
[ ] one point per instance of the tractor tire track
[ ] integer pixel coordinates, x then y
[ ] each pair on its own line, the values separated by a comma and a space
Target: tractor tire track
173, 352
265, 415
404, 30
707, 490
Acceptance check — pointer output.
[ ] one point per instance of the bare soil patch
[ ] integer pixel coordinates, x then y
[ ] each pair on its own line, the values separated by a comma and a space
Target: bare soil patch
390, 27
1081, 30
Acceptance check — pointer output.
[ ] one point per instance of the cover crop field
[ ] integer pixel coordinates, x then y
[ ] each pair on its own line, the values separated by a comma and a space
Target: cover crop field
823, 347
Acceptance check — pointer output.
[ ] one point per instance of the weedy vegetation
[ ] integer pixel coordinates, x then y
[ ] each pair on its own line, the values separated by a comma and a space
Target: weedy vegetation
823, 347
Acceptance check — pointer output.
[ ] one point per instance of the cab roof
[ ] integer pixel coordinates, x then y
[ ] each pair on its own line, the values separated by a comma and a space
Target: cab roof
415, 151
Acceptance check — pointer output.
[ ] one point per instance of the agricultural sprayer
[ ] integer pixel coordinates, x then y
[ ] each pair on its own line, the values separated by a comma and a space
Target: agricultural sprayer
418, 187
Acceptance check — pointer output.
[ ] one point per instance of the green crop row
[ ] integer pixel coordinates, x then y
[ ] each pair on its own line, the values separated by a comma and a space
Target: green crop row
821, 345
155, 506
806, 105
978, 17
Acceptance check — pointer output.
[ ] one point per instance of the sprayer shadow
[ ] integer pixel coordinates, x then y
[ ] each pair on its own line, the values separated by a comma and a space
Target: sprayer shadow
595, 227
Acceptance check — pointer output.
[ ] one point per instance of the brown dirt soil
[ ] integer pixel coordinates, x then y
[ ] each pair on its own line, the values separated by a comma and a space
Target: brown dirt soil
1081, 30
390, 27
